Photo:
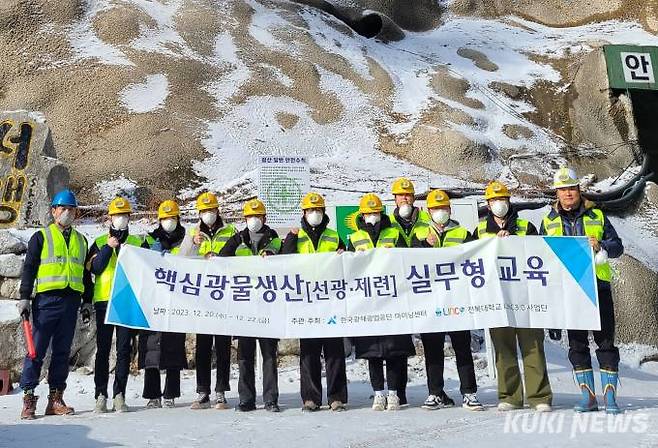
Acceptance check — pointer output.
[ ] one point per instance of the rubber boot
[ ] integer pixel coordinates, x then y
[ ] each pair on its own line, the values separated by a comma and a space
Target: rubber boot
588, 402
609, 380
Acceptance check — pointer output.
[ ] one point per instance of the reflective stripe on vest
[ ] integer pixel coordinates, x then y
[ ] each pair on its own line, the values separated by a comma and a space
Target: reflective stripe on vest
103, 282
273, 246
216, 243
387, 238
328, 242
420, 229
61, 265
521, 228
593, 227
453, 237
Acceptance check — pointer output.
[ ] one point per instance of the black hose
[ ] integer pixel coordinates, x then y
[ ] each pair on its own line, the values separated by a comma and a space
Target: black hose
617, 192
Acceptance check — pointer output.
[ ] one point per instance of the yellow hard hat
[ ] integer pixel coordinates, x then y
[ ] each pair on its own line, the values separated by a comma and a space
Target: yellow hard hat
168, 209
495, 190
119, 206
437, 198
312, 200
403, 186
370, 203
253, 207
565, 177
206, 201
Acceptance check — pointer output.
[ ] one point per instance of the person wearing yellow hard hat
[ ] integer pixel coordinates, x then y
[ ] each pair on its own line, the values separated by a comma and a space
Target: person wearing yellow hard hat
162, 350
407, 218
502, 221
102, 263
446, 232
256, 239
313, 237
207, 239
572, 215
374, 230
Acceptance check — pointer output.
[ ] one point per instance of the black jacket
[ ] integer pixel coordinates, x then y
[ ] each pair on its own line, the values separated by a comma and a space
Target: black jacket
370, 347
31, 268
243, 236
451, 224
289, 245
161, 350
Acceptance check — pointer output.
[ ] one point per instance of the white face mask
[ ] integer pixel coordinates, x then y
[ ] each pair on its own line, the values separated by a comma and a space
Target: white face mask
254, 224
314, 218
209, 218
440, 216
372, 219
405, 210
500, 208
169, 224
66, 218
120, 222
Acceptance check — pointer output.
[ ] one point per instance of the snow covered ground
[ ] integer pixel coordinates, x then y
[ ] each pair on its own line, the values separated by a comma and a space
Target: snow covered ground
358, 427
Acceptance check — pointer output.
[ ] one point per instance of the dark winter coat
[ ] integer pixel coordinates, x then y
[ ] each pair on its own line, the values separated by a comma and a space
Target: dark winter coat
289, 245
161, 350
243, 236
371, 347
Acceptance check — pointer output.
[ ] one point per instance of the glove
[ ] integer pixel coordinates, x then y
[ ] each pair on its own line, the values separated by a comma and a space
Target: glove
555, 335
85, 313
23, 306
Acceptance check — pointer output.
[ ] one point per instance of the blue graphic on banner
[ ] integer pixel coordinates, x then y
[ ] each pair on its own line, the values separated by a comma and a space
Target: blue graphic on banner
124, 307
574, 253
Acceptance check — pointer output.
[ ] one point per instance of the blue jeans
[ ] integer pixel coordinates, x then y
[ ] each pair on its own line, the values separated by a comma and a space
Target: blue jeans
54, 318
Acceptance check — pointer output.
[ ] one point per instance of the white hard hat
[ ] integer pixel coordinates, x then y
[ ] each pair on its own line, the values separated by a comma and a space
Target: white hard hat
565, 177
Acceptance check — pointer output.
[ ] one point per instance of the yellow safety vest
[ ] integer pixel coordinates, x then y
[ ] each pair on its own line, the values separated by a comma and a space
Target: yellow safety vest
61, 265
420, 229
388, 237
521, 228
245, 251
453, 237
328, 242
593, 227
103, 282
217, 242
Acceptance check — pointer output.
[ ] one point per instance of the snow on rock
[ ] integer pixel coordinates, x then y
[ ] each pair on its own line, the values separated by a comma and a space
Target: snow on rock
146, 97
109, 189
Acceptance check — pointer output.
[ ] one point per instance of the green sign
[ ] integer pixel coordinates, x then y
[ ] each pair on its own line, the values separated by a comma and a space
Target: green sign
346, 220
631, 67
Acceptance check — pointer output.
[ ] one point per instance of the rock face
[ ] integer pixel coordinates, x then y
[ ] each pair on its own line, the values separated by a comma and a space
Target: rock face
29, 171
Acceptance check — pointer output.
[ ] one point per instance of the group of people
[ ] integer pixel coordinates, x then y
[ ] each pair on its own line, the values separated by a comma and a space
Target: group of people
68, 276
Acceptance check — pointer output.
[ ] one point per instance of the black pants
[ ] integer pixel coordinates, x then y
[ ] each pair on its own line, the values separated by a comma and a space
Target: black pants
434, 360
395, 373
246, 363
104, 335
152, 388
311, 369
203, 357
606, 352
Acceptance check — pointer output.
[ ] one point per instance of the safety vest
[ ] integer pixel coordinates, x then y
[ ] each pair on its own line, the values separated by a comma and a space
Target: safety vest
420, 229
61, 265
273, 246
593, 227
103, 282
521, 228
388, 237
217, 242
151, 241
328, 242
452, 237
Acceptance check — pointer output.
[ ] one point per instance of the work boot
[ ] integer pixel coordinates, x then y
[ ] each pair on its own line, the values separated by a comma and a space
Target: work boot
202, 402
587, 402
29, 405
56, 405
221, 402
119, 403
310, 406
609, 380
101, 404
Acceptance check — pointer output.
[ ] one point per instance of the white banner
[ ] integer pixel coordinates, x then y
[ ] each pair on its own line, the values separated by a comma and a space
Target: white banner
536, 282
